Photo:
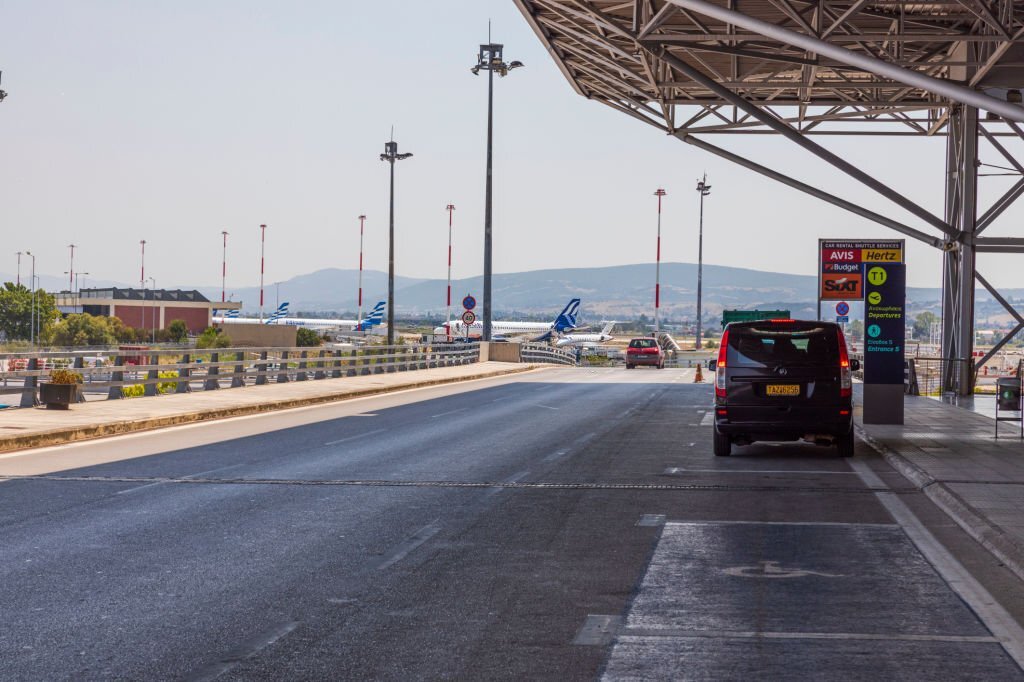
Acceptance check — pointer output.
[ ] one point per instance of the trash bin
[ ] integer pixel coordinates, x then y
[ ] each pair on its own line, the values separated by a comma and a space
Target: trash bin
1009, 393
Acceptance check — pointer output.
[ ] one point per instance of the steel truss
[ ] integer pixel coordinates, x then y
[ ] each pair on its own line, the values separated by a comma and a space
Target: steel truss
803, 68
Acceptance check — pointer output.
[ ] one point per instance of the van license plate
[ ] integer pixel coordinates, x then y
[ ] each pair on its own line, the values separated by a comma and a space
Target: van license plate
783, 389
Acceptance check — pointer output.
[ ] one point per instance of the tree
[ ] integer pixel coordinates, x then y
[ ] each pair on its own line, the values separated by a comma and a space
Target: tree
178, 331
213, 337
16, 312
83, 330
306, 337
923, 325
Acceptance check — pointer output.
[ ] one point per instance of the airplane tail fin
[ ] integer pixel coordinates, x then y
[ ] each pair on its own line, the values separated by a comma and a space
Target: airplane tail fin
282, 311
608, 326
567, 318
376, 317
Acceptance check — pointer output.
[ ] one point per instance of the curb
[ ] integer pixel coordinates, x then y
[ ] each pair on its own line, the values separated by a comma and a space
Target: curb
987, 534
73, 435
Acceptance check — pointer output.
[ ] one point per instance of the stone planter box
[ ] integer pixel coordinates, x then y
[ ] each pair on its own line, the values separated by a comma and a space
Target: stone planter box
58, 396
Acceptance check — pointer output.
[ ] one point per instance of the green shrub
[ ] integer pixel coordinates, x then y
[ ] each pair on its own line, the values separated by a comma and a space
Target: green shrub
177, 331
133, 391
307, 337
65, 376
213, 337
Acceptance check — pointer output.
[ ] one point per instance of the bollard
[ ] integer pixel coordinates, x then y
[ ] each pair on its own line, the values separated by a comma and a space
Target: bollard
238, 379
79, 363
183, 375
28, 391
319, 373
261, 369
212, 382
117, 380
149, 389
301, 376
282, 365
698, 378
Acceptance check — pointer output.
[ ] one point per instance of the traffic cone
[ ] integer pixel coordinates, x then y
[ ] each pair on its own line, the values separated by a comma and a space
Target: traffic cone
698, 378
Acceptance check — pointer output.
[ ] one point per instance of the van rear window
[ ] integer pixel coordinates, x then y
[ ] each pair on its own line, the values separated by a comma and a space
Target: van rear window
773, 345
642, 343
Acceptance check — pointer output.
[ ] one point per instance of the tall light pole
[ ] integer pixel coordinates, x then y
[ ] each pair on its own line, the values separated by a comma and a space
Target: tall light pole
3, 94
657, 266
223, 266
263, 240
19, 268
71, 269
32, 316
705, 189
489, 59
359, 315
391, 155
153, 316
142, 272
448, 325
78, 288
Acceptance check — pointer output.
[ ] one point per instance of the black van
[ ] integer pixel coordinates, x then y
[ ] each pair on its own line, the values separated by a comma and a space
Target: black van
783, 380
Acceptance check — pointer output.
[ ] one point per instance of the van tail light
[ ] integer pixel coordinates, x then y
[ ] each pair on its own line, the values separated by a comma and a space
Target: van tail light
845, 376
720, 366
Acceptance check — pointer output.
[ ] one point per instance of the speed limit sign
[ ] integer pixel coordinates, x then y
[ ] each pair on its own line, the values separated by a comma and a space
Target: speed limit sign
468, 317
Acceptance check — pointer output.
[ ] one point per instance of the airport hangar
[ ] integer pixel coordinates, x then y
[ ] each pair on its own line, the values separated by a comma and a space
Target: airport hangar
803, 68
145, 308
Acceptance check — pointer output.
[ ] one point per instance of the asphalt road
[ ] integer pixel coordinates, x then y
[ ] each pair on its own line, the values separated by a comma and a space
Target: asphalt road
568, 524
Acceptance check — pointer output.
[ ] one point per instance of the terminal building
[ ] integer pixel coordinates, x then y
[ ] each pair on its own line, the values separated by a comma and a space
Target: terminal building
145, 308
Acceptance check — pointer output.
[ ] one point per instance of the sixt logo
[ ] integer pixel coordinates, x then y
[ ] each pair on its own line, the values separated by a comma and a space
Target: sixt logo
841, 284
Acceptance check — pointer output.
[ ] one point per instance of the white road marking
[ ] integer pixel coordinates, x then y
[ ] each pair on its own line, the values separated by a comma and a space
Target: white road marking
815, 472
445, 414
417, 539
708, 419
251, 648
357, 436
992, 614
547, 407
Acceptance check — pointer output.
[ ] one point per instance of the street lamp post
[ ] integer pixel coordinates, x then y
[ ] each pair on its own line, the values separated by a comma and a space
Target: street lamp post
153, 314
223, 266
19, 268
263, 240
142, 271
78, 288
489, 59
657, 266
704, 189
359, 315
32, 316
448, 324
71, 269
391, 155
3, 94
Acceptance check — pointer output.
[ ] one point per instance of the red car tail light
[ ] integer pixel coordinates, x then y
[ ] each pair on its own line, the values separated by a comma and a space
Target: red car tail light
720, 367
845, 375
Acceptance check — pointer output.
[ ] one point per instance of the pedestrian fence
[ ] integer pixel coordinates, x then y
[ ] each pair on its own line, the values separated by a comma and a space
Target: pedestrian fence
184, 370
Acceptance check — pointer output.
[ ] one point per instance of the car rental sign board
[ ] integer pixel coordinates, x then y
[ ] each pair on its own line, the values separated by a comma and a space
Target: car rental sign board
842, 265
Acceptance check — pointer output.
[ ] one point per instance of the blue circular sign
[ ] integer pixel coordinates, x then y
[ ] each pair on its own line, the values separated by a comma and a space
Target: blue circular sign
469, 303
874, 331
842, 308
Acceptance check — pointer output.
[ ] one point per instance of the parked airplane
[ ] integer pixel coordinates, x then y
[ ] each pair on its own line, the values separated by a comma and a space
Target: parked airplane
232, 316
375, 318
587, 340
565, 321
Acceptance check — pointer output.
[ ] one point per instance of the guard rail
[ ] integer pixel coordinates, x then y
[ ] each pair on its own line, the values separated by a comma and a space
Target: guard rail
538, 352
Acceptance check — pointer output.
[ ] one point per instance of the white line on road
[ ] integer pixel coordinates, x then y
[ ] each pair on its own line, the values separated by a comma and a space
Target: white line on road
546, 407
361, 435
991, 613
708, 419
684, 470
248, 650
445, 414
417, 539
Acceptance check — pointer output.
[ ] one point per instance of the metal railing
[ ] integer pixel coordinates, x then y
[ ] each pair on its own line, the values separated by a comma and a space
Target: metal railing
539, 352
184, 370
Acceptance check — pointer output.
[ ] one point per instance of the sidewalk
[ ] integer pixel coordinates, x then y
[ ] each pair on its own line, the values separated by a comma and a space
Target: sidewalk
24, 428
952, 455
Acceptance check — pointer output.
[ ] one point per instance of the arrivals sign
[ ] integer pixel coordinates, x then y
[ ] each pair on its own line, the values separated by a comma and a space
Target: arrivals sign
843, 263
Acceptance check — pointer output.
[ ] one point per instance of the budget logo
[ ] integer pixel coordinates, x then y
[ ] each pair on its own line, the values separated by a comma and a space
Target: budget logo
842, 286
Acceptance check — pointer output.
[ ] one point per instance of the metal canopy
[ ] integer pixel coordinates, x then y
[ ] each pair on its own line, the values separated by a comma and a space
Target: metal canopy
613, 51
798, 68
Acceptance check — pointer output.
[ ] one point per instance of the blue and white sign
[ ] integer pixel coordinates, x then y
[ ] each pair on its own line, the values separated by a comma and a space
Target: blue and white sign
469, 303
842, 309
842, 319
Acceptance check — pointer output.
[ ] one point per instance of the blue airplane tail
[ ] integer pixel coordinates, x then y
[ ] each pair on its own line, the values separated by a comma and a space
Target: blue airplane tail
375, 317
282, 311
567, 318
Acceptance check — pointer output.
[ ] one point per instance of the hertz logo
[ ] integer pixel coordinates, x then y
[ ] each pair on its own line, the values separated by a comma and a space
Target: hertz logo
882, 255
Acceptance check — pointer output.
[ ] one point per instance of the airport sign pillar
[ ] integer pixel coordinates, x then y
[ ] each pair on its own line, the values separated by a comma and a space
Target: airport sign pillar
885, 330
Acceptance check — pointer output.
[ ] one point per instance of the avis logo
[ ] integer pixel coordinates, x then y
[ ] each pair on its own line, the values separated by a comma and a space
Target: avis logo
841, 285
842, 255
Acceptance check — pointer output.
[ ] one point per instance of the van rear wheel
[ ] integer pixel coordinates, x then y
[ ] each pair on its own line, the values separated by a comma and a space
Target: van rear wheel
722, 445
844, 444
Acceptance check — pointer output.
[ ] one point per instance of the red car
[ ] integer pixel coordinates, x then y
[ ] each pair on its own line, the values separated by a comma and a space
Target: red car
645, 351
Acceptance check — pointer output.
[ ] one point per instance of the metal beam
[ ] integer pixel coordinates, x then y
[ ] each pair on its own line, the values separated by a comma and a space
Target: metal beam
809, 189
879, 67
789, 132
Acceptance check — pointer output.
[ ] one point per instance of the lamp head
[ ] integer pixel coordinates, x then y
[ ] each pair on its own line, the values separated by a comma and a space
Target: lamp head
515, 65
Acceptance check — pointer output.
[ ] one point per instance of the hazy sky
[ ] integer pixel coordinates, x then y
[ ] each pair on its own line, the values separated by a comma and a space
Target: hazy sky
172, 121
